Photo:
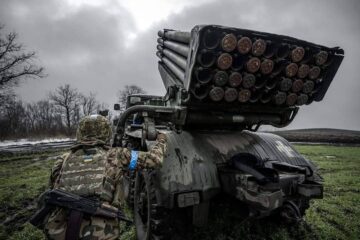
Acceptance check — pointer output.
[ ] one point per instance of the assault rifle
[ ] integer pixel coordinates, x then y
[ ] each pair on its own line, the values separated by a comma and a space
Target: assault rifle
58, 198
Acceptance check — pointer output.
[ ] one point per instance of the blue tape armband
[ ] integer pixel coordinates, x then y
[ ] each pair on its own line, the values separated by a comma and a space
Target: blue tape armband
133, 161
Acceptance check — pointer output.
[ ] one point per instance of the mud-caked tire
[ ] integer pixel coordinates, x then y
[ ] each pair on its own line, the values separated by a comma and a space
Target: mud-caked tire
151, 220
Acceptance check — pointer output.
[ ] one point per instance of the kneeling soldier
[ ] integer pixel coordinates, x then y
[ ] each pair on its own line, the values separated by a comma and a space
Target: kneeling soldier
93, 170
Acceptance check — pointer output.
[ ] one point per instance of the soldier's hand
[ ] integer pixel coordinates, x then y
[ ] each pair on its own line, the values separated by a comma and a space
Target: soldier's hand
161, 136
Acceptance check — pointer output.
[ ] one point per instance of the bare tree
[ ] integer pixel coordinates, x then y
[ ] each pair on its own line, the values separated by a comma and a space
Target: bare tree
128, 90
46, 116
89, 104
32, 116
12, 119
15, 62
66, 99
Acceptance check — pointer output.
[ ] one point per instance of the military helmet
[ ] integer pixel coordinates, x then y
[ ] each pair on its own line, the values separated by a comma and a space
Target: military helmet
94, 127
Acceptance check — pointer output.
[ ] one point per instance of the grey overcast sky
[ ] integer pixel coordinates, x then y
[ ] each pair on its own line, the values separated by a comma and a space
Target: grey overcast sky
100, 46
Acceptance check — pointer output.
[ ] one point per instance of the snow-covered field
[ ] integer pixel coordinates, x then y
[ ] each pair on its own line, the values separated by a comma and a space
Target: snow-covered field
33, 142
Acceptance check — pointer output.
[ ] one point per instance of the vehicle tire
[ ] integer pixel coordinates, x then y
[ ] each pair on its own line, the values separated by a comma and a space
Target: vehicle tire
151, 220
303, 204
131, 186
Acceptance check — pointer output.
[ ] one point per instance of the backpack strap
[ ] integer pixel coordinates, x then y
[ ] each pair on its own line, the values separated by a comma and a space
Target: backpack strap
60, 170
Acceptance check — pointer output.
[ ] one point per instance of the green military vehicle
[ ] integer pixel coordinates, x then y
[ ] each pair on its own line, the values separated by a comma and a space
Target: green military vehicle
223, 84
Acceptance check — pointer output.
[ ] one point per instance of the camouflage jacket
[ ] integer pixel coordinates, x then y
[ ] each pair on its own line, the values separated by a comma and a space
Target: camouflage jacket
117, 158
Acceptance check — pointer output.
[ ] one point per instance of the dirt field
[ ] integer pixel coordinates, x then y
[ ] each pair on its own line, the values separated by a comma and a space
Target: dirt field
337, 216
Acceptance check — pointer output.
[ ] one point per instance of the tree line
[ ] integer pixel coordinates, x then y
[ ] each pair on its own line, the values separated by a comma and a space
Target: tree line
56, 115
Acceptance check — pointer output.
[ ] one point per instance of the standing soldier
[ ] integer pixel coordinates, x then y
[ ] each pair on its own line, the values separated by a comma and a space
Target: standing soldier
94, 170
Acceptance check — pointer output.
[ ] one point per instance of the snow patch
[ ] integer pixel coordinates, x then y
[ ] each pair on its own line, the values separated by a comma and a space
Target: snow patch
33, 142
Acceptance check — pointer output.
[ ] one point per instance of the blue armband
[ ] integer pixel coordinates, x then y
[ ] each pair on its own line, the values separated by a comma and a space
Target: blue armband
133, 161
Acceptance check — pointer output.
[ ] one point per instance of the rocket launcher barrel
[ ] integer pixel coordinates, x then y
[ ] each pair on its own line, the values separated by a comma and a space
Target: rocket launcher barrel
176, 58
178, 36
169, 79
177, 71
235, 70
179, 48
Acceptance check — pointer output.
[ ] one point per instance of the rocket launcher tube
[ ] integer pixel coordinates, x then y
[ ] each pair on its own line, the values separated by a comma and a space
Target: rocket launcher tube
297, 54
211, 39
260, 82
255, 96
244, 45
231, 94
200, 91
216, 94
239, 61
271, 49
203, 75
177, 71
174, 57
169, 79
280, 98
206, 58
235, 79
179, 48
303, 71
178, 36
229, 42
266, 96
283, 51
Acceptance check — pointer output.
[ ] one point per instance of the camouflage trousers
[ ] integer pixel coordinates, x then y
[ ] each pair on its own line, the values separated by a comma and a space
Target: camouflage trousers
94, 228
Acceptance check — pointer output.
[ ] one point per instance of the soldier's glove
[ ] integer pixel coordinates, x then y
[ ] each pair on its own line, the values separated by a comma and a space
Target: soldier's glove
161, 137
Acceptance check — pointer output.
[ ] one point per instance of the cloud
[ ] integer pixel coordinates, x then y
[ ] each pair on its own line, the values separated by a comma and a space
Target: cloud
100, 48
83, 47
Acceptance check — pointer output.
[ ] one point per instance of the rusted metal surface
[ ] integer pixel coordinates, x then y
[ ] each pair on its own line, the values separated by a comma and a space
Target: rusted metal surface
221, 78
216, 94
321, 58
280, 98
297, 54
229, 42
297, 86
267, 66
231, 94
285, 84
308, 86
244, 95
291, 99
259, 47
253, 65
235, 79
291, 70
303, 71
314, 72
224, 61
302, 99
248, 80
244, 45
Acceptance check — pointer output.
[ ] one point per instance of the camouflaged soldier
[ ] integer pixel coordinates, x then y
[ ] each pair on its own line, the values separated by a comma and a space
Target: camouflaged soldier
93, 169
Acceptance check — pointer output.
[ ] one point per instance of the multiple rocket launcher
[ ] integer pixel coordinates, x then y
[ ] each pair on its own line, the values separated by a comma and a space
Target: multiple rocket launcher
236, 66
